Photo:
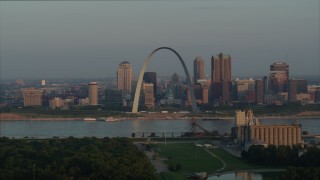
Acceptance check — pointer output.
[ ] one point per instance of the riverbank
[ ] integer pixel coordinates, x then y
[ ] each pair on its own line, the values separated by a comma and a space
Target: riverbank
302, 115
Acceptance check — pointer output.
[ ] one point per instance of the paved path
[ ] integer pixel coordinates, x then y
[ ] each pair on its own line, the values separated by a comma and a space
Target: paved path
222, 161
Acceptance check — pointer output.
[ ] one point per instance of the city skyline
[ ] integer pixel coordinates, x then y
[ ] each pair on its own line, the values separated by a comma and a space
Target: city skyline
58, 40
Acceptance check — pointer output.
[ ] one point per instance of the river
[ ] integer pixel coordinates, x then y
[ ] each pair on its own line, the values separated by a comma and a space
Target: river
79, 128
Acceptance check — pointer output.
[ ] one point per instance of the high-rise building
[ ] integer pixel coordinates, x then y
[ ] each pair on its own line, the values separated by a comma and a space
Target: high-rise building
278, 79
221, 68
32, 97
221, 87
292, 90
176, 86
148, 95
245, 90
198, 69
124, 77
265, 85
151, 77
93, 93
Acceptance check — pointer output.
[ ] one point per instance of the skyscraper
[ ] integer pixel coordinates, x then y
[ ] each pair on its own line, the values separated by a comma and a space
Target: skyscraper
292, 90
151, 77
279, 75
124, 77
176, 86
221, 68
198, 69
93, 93
221, 78
148, 95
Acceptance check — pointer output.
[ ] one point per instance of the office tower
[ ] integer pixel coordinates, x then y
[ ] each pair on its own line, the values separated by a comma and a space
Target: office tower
148, 95
124, 77
221, 87
265, 85
198, 69
176, 86
32, 97
259, 91
113, 98
221, 68
93, 93
245, 90
280, 66
278, 78
151, 77
292, 90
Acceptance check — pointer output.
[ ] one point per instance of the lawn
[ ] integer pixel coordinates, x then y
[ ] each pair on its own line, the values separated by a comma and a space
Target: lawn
233, 163
191, 158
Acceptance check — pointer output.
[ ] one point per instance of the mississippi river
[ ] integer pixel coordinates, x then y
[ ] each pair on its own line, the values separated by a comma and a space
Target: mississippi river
79, 128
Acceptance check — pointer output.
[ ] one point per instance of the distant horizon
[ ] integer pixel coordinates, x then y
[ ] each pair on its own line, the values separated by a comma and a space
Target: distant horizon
306, 77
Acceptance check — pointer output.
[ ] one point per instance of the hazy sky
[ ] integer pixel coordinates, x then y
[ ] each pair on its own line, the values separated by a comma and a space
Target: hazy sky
55, 39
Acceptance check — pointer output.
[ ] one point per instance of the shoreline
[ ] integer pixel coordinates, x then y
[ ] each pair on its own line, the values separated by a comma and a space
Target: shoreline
16, 117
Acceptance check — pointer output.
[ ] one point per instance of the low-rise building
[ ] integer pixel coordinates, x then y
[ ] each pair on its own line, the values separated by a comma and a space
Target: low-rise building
249, 131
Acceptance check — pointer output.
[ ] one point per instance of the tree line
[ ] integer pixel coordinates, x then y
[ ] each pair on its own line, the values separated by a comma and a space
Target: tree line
73, 158
301, 163
283, 155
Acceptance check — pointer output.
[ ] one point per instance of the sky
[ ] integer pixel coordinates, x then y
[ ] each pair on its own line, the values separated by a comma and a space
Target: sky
89, 39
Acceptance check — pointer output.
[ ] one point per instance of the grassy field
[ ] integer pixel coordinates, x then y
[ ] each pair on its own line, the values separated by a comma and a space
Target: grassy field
194, 159
191, 158
233, 163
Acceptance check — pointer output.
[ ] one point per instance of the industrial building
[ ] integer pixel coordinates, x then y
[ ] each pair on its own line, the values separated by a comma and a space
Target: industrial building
248, 131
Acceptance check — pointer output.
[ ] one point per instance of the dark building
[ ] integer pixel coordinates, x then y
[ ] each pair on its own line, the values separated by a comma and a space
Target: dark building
221, 92
265, 85
176, 87
113, 98
317, 96
197, 91
198, 69
151, 77
292, 90
302, 86
259, 91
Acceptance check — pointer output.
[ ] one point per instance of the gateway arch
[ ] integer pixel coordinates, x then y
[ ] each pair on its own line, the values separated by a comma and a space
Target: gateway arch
139, 83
